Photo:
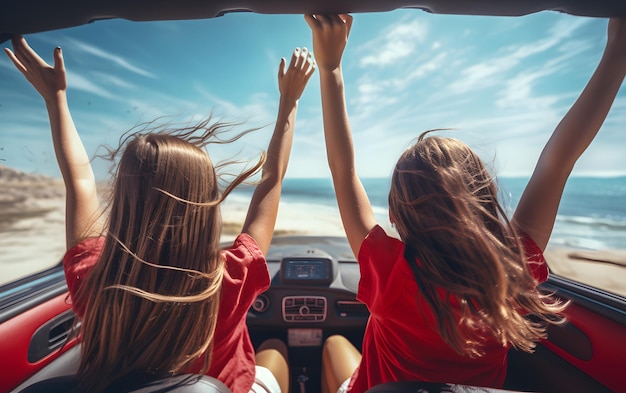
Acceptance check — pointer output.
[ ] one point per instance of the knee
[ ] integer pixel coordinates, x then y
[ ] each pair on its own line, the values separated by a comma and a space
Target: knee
340, 351
273, 352
335, 341
274, 344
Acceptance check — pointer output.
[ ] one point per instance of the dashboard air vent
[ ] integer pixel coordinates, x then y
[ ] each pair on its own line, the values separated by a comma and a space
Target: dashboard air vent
351, 308
304, 308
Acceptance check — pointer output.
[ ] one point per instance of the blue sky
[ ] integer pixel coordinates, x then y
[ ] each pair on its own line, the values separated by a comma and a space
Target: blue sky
502, 83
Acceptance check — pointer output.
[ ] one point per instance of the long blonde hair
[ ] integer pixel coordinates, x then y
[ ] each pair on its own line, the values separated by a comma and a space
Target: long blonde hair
444, 204
152, 298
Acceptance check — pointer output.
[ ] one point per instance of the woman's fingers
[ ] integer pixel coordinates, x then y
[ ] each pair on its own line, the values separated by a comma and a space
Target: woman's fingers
322, 20
59, 64
294, 58
26, 54
27, 60
46, 79
293, 78
281, 67
347, 19
302, 61
15, 60
311, 21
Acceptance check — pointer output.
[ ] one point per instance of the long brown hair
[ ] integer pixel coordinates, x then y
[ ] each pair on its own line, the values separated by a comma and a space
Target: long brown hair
152, 298
444, 204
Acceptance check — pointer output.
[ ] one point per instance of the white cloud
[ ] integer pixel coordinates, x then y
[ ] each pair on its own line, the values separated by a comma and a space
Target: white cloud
112, 80
97, 52
510, 110
373, 95
562, 30
518, 90
481, 75
78, 82
395, 43
492, 71
422, 70
260, 110
377, 93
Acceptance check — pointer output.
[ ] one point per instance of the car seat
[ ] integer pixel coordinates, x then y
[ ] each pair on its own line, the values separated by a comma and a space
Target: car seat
58, 376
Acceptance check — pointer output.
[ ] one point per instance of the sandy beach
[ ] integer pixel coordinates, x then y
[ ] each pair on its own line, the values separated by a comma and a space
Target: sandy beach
32, 232
604, 269
32, 222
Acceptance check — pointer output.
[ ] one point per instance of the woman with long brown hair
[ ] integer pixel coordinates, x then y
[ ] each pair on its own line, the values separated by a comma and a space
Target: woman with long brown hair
156, 295
453, 294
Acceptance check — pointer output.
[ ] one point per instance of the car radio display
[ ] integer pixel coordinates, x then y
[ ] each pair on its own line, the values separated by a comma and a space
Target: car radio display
306, 269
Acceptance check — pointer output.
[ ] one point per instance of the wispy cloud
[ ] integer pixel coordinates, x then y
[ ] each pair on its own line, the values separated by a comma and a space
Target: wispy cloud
492, 71
378, 88
112, 80
79, 82
108, 56
482, 75
431, 65
562, 30
518, 92
503, 91
395, 43
378, 93
373, 95
259, 109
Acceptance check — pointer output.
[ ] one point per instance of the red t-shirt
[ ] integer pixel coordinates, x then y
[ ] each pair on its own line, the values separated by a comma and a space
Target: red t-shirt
401, 340
245, 277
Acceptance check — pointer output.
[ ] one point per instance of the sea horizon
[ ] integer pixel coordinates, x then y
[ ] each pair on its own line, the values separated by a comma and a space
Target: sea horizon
592, 217
592, 213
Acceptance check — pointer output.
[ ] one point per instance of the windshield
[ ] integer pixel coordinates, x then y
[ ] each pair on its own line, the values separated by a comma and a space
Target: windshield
500, 84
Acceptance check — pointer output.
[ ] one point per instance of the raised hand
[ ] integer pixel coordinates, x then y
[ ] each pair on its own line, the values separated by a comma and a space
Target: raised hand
82, 204
330, 36
538, 206
47, 80
263, 209
293, 79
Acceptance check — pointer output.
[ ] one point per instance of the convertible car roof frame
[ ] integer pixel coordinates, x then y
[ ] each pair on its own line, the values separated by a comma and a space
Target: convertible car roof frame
32, 16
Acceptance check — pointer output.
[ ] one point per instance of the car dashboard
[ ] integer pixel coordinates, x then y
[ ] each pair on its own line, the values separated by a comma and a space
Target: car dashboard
313, 288
312, 295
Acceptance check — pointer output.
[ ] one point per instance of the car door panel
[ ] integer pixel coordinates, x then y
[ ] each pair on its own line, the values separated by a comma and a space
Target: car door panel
33, 339
586, 354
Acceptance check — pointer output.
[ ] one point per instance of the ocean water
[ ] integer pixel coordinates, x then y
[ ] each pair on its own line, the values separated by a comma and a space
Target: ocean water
592, 213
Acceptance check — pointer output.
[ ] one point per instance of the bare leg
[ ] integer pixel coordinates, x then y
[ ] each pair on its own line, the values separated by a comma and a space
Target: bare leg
272, 354
339, 360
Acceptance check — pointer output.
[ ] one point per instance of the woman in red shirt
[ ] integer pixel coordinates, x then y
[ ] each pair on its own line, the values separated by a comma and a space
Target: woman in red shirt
156, 294
449, 298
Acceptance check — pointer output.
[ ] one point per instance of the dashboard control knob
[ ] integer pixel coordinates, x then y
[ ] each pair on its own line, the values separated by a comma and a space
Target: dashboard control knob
261, 303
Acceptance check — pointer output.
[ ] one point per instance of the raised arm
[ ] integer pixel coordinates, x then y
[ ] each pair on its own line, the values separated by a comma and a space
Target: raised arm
539, 203
330, 35
263, 208
81, 197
